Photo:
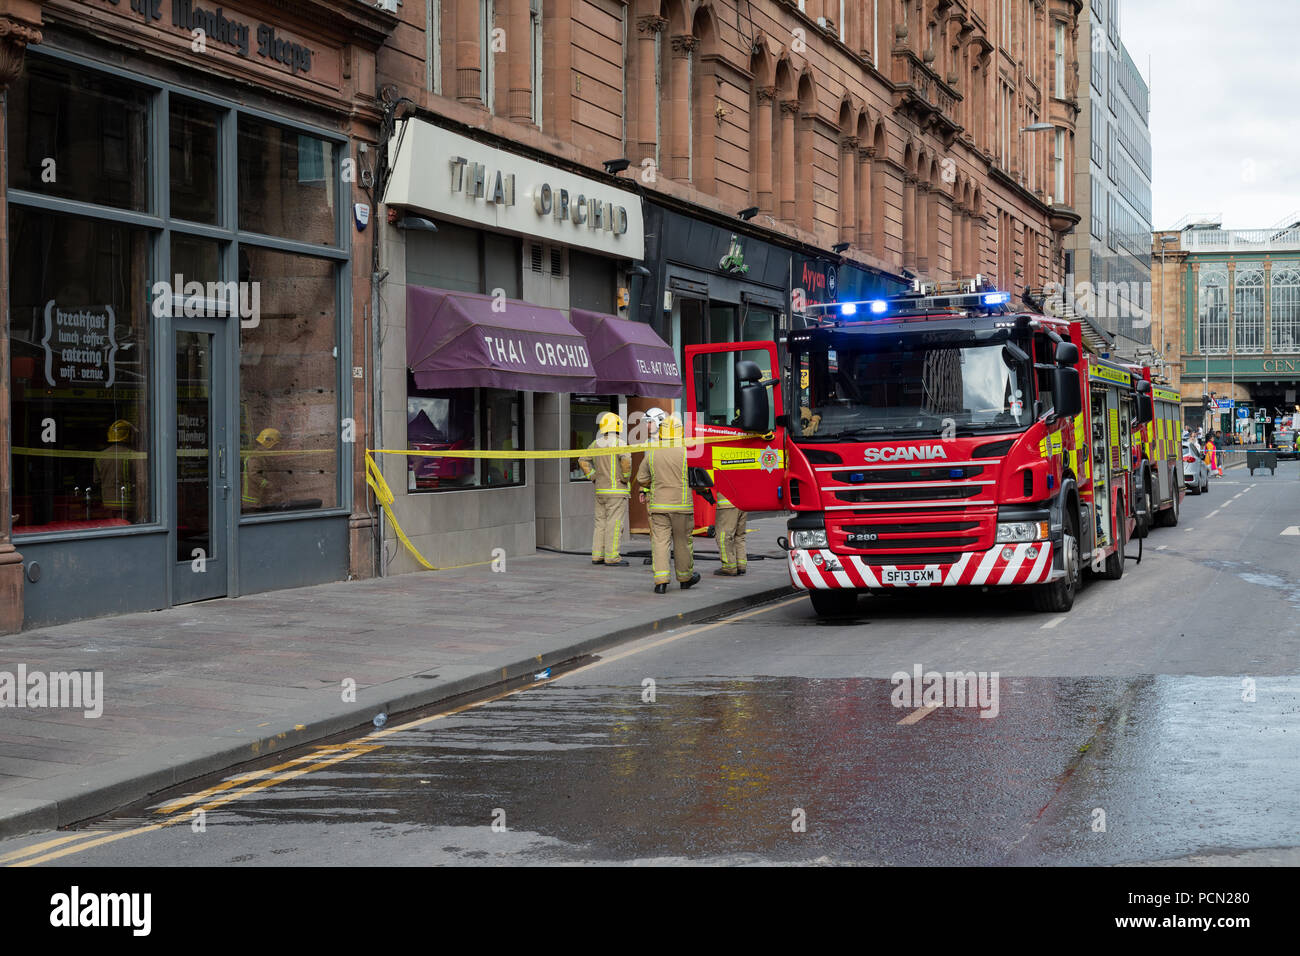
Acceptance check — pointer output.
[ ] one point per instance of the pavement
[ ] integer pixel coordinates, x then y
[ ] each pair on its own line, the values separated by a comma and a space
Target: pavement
203, 688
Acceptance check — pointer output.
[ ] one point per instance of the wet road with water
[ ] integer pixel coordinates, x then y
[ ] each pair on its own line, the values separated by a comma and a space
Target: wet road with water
1158, 721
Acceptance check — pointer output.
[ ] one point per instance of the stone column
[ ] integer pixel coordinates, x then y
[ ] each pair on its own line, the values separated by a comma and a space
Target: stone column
848, 189
519, 61
468, 67
766, 96
922, 218
866, 200
20, 23
958, 246
909, 221
647, 99
789, 109
683, 52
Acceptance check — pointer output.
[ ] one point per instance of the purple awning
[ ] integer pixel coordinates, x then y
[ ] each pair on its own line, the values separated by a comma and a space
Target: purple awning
457, 340
630, 358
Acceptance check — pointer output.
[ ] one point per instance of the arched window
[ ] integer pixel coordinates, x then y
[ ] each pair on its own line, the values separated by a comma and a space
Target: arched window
1249, 308
1212, 311
1286, 310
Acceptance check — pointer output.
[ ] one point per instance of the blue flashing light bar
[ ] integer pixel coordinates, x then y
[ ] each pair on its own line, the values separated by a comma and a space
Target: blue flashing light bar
849, 308
997, 298
878, 306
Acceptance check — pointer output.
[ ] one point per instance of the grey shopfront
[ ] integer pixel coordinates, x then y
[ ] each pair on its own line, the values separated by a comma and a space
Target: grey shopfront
180, 326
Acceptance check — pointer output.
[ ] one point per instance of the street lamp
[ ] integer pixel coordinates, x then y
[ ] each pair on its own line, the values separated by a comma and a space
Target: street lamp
1037, 128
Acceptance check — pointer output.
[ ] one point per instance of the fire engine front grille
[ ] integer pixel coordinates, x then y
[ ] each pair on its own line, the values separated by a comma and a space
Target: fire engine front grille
884, 540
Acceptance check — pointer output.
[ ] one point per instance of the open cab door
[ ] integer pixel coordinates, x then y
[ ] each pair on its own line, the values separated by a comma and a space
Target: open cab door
729, 385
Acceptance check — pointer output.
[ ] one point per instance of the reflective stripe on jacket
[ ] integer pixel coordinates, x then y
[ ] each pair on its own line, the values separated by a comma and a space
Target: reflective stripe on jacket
663, 471
601, 470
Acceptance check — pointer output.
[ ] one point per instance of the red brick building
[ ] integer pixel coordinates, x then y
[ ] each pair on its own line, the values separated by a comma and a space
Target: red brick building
894, 126
153, 457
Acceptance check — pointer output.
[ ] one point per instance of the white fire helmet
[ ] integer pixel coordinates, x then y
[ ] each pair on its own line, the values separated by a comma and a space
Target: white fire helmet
655, 417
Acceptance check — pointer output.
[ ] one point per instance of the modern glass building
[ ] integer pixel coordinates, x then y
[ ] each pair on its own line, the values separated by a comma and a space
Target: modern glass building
1110, 250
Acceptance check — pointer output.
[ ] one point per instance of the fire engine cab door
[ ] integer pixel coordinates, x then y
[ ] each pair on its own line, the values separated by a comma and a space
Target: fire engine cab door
1103, 399
749, 472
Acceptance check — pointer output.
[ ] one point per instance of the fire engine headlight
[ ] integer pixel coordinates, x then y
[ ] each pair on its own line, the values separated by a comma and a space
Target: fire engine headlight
1016, 531
808, 539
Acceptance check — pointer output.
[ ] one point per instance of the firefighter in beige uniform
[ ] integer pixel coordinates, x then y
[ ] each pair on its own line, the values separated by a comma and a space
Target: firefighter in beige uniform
729, 525
610, 474
672, 510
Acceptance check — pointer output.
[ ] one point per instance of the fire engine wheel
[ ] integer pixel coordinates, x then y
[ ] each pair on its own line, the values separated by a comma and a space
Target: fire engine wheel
1114, 569
1058, 596
834, 603
1169, 517
1144, 516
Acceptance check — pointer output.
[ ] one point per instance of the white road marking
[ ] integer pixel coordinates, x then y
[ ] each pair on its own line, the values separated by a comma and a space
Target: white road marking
1294, 529
1214, 512
1162, 547
1053, 622
916, 715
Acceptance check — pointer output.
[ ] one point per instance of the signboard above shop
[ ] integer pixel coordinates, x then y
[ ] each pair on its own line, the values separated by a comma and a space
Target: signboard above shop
440, 173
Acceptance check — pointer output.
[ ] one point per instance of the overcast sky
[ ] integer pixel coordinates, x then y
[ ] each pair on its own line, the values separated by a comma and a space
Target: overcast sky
1225, 106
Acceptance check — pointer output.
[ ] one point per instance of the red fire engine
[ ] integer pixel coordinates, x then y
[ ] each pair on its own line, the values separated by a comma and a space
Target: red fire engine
1157, 465
934, 439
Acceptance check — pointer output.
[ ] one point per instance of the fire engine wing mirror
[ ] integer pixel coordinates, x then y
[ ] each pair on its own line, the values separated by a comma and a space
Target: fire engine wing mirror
754, 409
1067, 353
1146, 410
1066, 399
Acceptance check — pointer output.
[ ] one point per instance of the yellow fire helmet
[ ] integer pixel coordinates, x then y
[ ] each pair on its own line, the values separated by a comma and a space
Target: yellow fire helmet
609, 422
120, 430
268, 438
670, 429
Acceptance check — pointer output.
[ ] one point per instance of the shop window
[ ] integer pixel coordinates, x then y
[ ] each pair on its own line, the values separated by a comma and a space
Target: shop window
80, 372
464, 260
592, 282
478, 419
289, 423
84, 136
286, 186
584, 414
193, 148
196, 260
759, 325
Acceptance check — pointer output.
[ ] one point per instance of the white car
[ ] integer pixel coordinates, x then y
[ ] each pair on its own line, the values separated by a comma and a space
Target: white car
1196, 473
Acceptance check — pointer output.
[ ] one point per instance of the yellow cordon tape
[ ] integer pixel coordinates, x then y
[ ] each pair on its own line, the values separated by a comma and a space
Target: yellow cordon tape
384, 494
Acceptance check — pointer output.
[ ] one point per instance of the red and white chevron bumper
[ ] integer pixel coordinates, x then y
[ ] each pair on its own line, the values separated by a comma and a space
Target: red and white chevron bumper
1006, 564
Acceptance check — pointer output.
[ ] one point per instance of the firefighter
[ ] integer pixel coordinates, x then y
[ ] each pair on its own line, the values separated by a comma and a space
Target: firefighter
259, 487
610, 474
672, 510
120, 473
730, 526
652, 419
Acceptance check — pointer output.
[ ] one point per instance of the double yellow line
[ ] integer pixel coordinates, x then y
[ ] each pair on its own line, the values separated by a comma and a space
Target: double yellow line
182, 809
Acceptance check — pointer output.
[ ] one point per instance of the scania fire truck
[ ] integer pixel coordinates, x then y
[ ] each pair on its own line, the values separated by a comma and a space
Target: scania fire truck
938, 438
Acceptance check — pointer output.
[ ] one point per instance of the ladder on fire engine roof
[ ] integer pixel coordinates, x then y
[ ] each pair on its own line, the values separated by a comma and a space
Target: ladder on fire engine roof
1095, 339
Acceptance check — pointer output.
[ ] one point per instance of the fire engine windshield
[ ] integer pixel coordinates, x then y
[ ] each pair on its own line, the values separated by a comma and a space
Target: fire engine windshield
855, 386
